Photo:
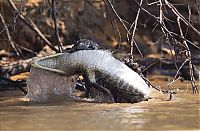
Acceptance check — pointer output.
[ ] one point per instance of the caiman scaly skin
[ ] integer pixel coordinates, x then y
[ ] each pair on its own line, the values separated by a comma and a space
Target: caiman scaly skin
98, 66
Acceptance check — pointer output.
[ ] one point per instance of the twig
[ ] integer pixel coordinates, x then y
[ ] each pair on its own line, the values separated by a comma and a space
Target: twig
173, 55
137, 49
119, 18
110, 17
150, 65
176, 12
13, 22
53, 7
8, 35
18, 13
188, 55
161, 17
118, 31
164, 27
26, 49
171, 34
174, 79
127, 35
189, 19
32, 26
134, 29
155, 2
157, 88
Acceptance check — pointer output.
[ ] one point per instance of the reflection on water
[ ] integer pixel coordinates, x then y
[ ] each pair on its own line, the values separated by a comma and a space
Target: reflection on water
182, 113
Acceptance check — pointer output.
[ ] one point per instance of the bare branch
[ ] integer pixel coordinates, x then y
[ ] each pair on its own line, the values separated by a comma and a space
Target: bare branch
8, 35
176, 12
164, 27
53, 7
119, 18
188, 55
32, 26
175, 77
134, 29
111, 20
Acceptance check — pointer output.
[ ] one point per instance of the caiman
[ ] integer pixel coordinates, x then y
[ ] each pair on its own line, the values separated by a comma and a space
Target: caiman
97, 67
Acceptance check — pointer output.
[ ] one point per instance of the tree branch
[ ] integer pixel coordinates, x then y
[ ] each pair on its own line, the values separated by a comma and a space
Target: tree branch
32, 26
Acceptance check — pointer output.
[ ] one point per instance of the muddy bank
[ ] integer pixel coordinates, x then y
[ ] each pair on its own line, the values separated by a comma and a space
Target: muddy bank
80, 19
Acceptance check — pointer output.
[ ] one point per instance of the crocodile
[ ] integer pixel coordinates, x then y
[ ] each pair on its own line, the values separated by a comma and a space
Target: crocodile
99, 66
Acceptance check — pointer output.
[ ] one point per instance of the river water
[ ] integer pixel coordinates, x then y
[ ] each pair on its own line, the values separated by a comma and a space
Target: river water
181, 113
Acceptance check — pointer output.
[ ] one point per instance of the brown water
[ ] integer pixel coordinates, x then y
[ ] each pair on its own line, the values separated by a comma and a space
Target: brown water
181, 113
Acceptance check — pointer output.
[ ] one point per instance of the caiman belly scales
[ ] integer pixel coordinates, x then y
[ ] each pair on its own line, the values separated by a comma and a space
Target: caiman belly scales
98, 65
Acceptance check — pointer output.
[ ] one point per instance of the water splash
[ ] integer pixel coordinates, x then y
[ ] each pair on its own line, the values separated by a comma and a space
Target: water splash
46, 86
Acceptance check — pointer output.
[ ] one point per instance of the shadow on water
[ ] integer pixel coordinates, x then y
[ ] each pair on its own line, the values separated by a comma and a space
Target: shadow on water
181, 113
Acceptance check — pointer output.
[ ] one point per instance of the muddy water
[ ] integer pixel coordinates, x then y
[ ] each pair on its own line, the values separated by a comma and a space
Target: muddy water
181, 113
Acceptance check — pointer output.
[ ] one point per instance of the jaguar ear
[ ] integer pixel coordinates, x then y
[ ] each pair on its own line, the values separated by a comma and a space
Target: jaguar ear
76, 42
